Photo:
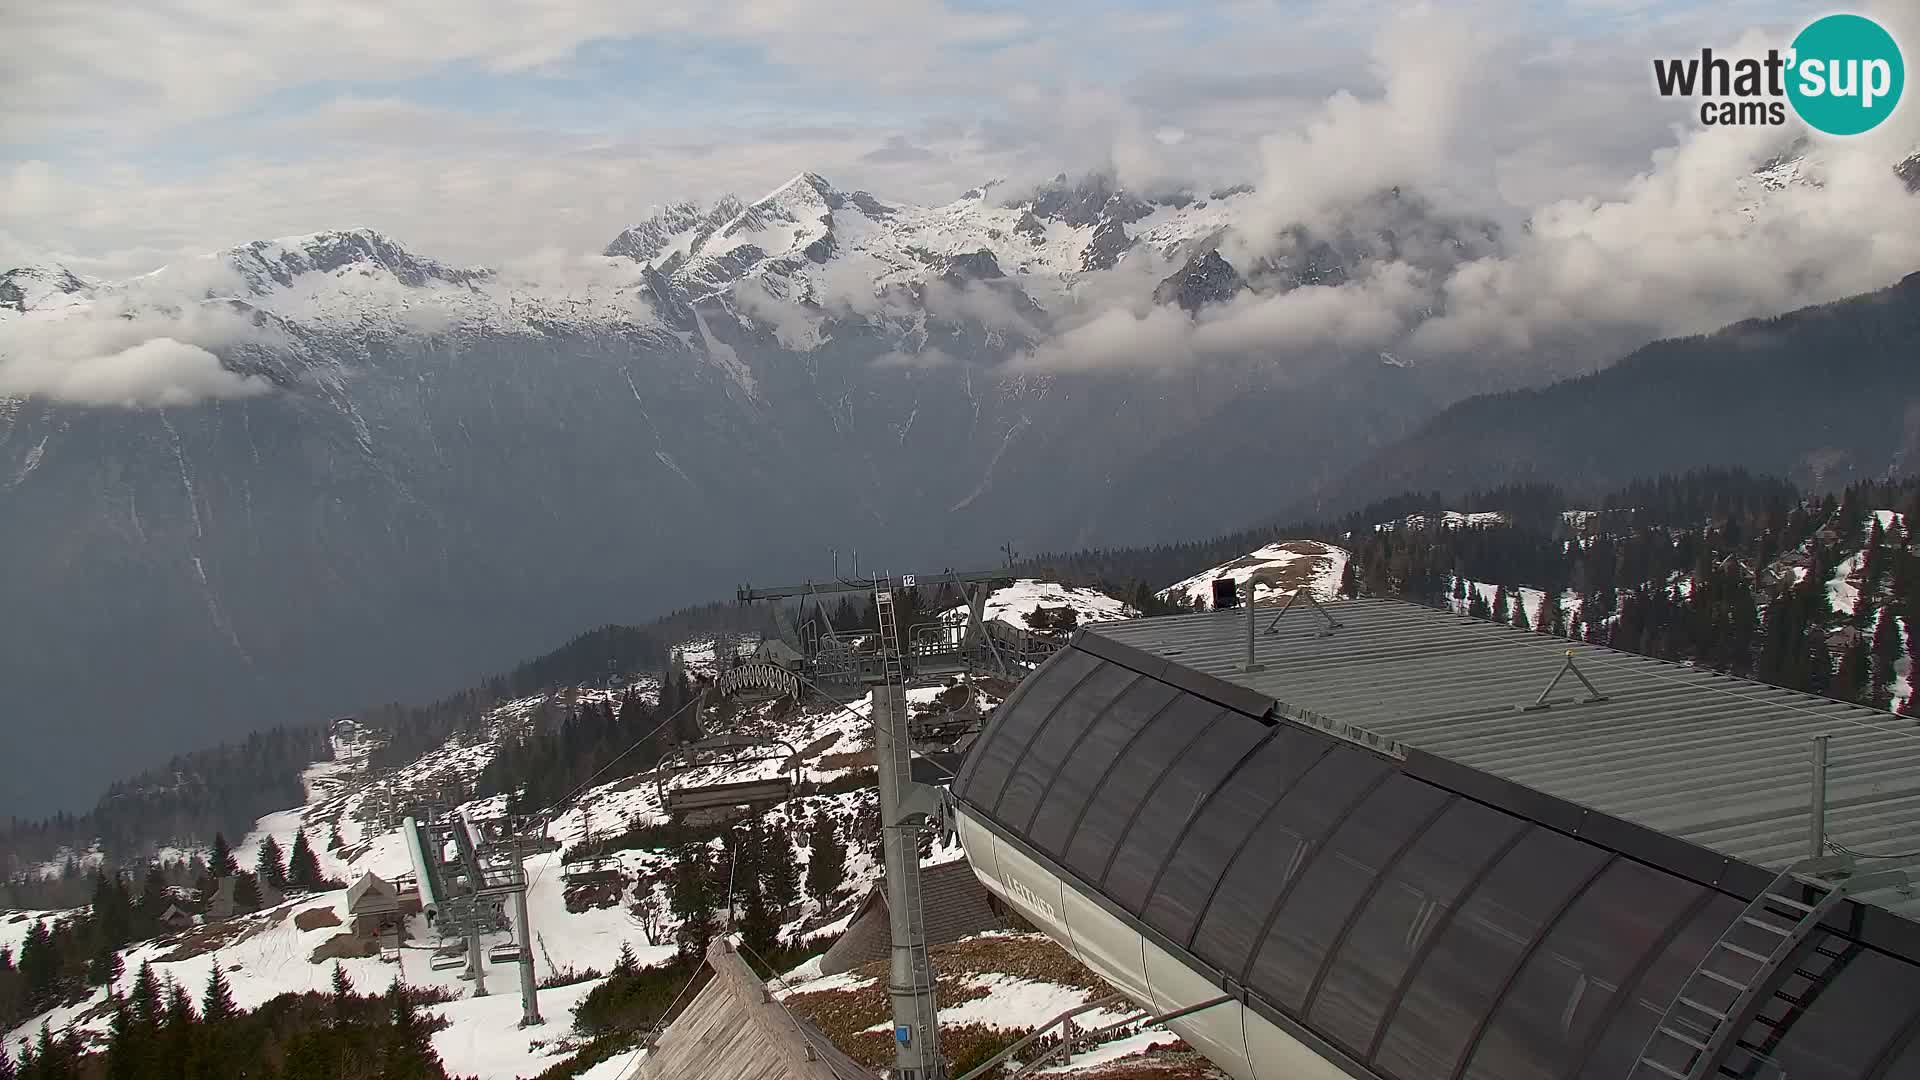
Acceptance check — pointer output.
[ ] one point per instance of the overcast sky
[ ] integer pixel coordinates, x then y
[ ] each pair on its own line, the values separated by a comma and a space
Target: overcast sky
478, 130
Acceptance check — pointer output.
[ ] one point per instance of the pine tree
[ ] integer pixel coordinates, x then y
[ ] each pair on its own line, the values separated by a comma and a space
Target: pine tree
123, 1042
216, 1005
7, 1070
106, 966
303, 867
1851, 680
1349, 582
1819, 662
50, 1057
409, 1052
1886, 650
626, 963
759, 931
342, 993
1520, 621
246, 893
1500, 613
271, 867
691, 897
220, 864
146, 997
1477, 606
826, 860
1459, 587
782, 881
154, 896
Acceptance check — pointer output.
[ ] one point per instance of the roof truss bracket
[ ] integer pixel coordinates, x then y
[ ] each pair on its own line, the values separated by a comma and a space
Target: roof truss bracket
1301, 594
1593, 692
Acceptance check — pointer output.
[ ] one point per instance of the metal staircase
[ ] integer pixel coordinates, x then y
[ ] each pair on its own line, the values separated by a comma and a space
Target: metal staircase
1768, 943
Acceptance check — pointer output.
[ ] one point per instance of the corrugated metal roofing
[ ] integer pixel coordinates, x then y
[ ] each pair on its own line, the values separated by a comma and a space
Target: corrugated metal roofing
1722, 762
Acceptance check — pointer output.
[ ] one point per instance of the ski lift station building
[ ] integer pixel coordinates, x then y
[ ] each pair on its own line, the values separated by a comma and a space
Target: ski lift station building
1406, 845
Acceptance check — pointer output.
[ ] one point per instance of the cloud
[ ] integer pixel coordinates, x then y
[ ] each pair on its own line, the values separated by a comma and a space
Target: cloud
1693, 244
1159, 339
122, 359
1425, 60
793, 326
1293, 328
982, 303
898, 148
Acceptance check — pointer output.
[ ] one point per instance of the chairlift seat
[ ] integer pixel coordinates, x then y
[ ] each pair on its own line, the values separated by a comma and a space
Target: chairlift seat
447, 963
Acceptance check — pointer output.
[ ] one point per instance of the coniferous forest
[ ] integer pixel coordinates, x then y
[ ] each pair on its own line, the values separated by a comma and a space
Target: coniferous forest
160, 1030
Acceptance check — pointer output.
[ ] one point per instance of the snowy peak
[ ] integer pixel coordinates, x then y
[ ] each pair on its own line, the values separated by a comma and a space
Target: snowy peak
265, 264
30, 288
1090, 201
1207, 278
646, 241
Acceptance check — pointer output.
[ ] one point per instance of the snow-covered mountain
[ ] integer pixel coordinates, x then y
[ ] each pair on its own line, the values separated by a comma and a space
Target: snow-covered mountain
357, 472
792, 241
37, 288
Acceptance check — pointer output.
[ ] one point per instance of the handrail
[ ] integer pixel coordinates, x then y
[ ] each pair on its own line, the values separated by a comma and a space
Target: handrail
1036, 1033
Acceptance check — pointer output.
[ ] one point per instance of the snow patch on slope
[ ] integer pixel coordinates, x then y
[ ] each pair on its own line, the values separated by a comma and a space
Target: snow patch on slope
1277, 570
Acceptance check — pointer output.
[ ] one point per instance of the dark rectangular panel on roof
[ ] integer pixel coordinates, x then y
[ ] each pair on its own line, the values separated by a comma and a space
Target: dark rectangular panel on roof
962, 781
1306, 924
1277, 850
1042, 756
1542, 1027
1229, 816
1074, 781
1461, 979
1015, 722
1175, 797
1133, 773
1638, 1007
1852, 1024
1418, 895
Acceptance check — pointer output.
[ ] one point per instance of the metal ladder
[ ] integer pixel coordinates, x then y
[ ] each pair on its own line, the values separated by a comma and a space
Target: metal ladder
1735, 979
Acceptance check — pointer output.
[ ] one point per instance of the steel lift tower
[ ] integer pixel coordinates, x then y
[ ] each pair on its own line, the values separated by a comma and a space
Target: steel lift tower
906, 806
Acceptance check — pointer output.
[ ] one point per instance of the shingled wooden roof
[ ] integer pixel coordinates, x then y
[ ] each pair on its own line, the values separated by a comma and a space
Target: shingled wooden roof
735, 1029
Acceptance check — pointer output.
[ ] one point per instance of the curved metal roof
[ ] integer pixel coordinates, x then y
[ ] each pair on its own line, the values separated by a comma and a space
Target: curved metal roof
1425, 918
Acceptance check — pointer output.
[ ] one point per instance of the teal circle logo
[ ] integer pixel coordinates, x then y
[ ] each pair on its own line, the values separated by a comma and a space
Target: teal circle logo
1846, 75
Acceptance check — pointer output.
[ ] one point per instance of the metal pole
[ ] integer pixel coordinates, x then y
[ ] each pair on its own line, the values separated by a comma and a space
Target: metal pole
476, 958
910, 982
1817, 830
1250, 665
529, 986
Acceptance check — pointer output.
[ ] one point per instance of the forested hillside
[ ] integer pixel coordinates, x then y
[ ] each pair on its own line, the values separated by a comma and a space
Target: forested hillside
1825, 396
1717, 566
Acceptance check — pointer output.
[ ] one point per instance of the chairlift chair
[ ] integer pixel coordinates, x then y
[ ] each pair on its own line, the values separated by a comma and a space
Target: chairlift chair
504, 953
736, 750
448, 962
